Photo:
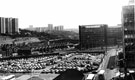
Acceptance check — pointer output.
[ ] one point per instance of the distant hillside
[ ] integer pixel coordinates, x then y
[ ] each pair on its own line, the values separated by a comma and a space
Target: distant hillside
39, 35
49, 34
33, 36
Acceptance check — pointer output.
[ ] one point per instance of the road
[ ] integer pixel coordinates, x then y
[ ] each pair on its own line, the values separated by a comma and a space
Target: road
108, 62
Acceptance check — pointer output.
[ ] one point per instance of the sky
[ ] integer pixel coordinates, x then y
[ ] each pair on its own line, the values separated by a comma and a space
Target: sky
69, 13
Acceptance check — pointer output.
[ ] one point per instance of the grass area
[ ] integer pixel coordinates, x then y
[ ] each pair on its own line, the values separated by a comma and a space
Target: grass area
6, 40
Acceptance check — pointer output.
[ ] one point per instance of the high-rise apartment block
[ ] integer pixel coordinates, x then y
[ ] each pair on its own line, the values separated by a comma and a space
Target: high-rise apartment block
50, 27
2, 25
8, 25
59, 28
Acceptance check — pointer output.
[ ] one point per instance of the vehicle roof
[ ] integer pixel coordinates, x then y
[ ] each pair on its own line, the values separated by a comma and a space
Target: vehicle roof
101, 72
90, 76
117, 74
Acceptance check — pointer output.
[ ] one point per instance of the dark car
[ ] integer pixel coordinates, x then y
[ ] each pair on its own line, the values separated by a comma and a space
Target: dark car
101, 77
112, 67
94, 72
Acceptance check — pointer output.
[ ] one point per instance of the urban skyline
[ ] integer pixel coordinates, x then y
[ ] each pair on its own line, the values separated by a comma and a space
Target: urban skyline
69, 13
83, 40
50, 27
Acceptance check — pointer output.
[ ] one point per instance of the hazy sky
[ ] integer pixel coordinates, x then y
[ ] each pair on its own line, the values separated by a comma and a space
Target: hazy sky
69, 13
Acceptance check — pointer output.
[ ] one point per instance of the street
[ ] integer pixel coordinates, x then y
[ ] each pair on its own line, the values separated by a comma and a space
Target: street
109, 64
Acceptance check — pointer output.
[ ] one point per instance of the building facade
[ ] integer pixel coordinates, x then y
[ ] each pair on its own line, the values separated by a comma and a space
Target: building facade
128, 23
92, 36
114, 35
99, 35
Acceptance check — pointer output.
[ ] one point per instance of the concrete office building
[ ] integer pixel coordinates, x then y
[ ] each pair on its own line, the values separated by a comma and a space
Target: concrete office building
128, 24
92, 36
99, 35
